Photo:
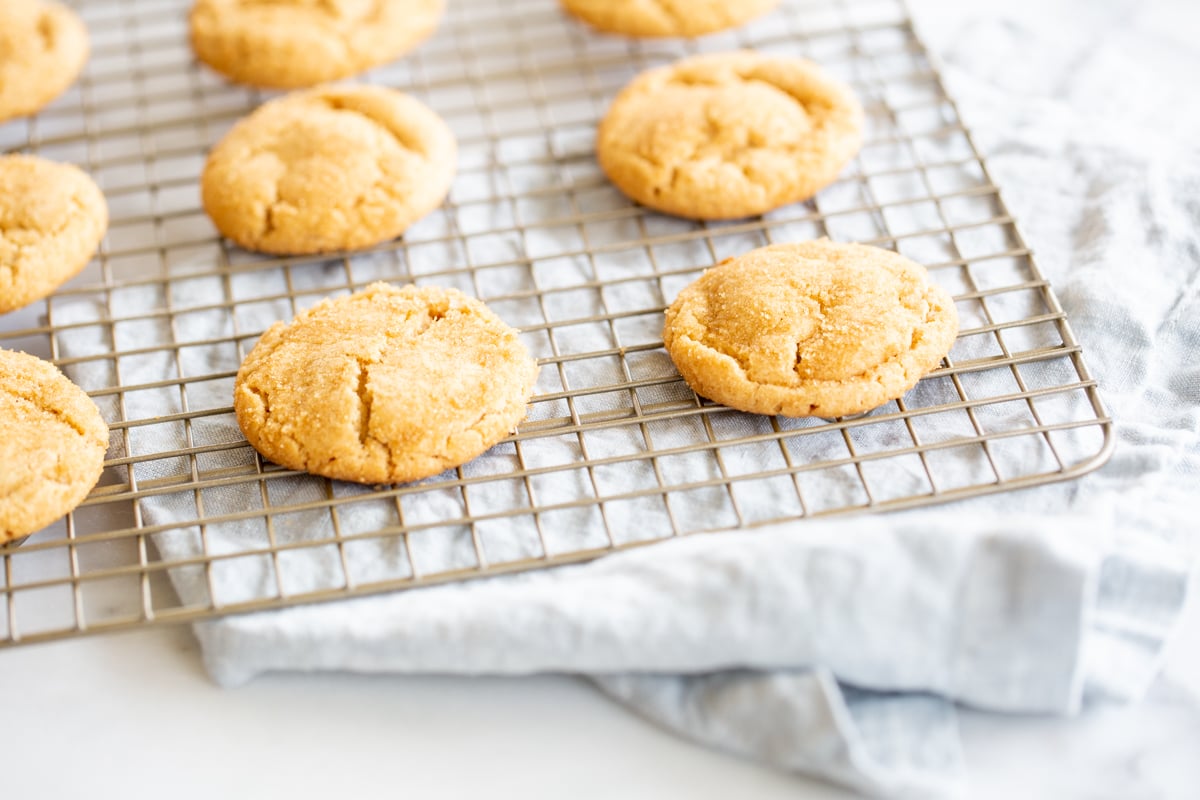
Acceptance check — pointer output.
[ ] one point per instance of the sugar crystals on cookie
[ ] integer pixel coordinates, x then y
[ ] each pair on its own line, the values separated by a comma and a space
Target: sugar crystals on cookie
43, 47
384, 386
810, 329
52, 445
334, 168
667, 18
729, 135
52, 219
293, 44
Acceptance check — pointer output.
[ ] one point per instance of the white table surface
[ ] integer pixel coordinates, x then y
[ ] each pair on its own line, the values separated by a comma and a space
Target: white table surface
135, 716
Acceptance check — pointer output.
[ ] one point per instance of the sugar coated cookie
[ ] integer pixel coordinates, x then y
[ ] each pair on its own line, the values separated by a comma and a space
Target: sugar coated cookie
667, 17
335, 168
810, 329
52, 218
728, 135
291, 44
43, 47
384, 386
52, 445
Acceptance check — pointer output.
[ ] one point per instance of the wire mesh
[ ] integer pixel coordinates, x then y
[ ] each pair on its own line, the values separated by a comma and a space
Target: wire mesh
617, 452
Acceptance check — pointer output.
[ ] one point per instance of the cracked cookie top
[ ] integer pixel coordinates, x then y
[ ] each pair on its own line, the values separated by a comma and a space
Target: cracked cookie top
728, 135
43, 47
291, 44
52, 218
335, 168
810, 329
384, 386
52, 444
667, 17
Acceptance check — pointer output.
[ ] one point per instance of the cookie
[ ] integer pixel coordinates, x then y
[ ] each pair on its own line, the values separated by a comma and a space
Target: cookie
292, 44
52, 218
667, 17
728, 135
52, 445
810, 329
384, 386
43, 47
335, 168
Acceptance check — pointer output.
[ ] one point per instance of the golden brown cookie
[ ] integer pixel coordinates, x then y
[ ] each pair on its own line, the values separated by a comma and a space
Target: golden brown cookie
43, 47
335, 168
52, 444
810, 329
291, 44
52, 218
667, 17
729, 135
384, 386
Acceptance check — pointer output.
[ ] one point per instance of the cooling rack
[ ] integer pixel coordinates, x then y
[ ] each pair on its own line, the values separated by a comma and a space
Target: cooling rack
188, 523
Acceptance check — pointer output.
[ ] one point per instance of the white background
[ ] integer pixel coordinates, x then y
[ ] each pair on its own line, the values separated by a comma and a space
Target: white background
135, 715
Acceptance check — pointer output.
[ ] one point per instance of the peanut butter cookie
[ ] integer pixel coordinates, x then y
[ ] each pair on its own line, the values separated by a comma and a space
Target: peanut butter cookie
292, 44
384, 386
729, 135
52, 218
52, 445
43, 47
667, 17
334, 168
810, 329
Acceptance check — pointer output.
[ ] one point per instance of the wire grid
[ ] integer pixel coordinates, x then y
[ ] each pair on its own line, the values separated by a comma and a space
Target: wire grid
617, 452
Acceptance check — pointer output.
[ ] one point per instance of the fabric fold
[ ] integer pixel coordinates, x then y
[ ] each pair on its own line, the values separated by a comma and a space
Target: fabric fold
896, 603
882, 744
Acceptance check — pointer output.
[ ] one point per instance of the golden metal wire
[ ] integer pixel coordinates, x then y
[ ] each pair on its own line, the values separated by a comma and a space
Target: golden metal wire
523, 88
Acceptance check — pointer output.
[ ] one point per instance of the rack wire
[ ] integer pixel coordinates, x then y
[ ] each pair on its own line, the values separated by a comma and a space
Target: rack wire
617, 452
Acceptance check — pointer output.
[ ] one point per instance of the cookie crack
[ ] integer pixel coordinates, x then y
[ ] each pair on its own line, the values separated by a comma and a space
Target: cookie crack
382, 183
916, 338
331, 8
270, 224
417, 322
406, 142
473, 427
892, 358
808, 101
264, 398
366, 399
670, 171
390, 456
366, 405
431, 316
814, 104
667, 181
268, 227
46, 31
56, 413
667, 10
78, 207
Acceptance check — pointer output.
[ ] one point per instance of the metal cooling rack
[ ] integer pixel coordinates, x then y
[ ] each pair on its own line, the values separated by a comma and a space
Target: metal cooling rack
617, 452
